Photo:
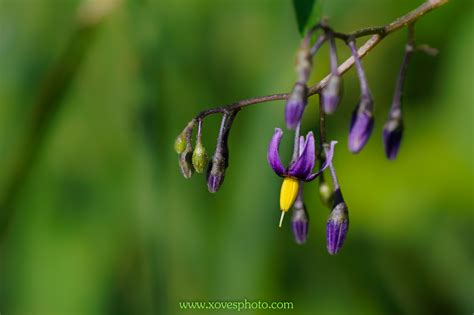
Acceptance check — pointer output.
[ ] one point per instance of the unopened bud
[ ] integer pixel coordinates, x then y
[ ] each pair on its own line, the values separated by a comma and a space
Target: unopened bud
295, 105
331, 95
185, 161
182, 140
216, 172
392, 134
361, 124
180, 143
337, 225
199, 157
300, 222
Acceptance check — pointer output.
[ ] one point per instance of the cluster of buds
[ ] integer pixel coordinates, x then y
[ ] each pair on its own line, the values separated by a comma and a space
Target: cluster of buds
197, 160
305, 154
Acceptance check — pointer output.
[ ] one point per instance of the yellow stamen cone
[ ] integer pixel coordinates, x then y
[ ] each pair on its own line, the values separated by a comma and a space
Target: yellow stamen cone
289, 190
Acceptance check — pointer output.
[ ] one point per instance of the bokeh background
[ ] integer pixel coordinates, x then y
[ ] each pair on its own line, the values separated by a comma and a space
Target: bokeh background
97, 219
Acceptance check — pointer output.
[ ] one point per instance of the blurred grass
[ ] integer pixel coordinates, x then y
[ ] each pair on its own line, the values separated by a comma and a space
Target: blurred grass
104, 223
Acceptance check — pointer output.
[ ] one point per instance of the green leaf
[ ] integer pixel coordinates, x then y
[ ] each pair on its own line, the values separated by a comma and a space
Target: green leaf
307, 14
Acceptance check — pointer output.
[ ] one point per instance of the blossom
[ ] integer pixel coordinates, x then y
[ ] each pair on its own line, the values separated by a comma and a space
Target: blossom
300, 169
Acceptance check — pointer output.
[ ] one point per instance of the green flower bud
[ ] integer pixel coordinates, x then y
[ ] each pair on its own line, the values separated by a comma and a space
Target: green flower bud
199, 157
180, 143
185, 162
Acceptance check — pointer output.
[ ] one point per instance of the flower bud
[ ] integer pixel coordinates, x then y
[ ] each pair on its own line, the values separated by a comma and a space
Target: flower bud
220, 160
392, 134
337, 225
182, 140
185, 161
199, 157
331, 94
180, 143
300, 222
295, 105
361, 125
216, 172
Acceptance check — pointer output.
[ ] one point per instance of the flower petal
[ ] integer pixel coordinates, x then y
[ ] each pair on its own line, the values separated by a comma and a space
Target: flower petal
305, 162
273, 155
329, 156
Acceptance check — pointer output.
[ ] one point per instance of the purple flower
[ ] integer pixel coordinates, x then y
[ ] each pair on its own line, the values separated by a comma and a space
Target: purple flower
392, 136
337, 225
361, 125
302, 167
299, 222
295, 105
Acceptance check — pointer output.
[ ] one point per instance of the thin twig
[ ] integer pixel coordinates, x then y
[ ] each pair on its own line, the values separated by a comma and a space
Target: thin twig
378, 33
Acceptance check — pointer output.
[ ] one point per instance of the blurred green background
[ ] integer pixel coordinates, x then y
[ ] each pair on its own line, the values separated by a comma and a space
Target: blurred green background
97, 219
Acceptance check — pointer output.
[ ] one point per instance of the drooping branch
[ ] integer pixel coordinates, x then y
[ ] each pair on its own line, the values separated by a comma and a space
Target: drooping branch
378, 34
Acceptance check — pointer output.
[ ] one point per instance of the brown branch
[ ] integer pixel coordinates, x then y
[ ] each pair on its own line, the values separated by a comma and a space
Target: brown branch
378, 34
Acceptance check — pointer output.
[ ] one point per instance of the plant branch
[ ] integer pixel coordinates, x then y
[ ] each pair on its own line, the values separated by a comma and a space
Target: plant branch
378, 34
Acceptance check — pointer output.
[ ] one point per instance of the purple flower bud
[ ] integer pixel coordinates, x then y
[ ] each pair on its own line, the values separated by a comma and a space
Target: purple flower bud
361, 125
392, 136
337, 225
331, 95
216, 172
220, 160
295, 105
299, 222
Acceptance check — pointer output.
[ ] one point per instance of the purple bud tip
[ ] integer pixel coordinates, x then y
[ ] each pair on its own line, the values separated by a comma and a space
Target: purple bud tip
361, 127
392, 137
215, 172
299, 223
330, 95
214, 183
336, 228
295, 105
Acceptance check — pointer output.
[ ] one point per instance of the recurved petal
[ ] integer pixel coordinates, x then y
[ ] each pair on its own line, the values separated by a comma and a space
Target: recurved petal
273, 155
329, 156
304, 164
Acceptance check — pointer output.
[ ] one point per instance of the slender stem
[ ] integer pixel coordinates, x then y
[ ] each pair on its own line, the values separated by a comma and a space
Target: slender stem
364, 87
378, 34
199, 131
409, 48
322, 124
333, 55
319, 42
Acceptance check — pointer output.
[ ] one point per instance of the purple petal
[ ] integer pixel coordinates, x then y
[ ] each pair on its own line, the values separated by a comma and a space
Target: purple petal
273, 155
329, 156
360, 130
305, 162
301, 145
